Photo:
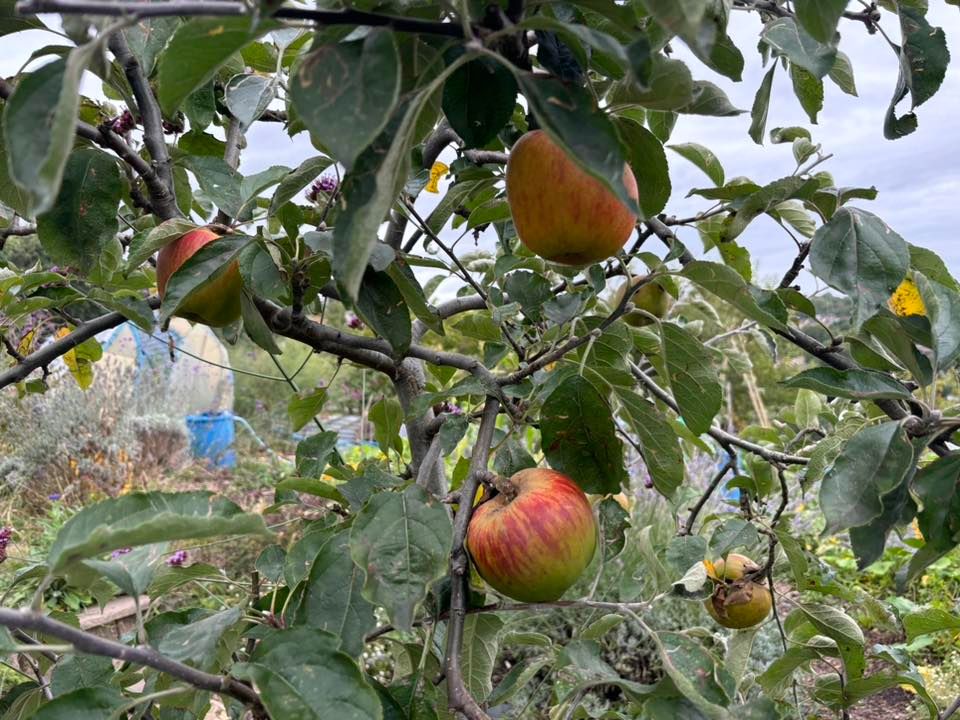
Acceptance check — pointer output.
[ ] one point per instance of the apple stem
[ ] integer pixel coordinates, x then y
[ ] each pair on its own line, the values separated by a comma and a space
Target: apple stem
501, 484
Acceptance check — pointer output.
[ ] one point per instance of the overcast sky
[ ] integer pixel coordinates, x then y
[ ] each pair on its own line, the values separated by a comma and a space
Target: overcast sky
918, 177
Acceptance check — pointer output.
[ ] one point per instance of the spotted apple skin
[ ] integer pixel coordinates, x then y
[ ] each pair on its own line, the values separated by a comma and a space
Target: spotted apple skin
560, 212
218, 303
533, 547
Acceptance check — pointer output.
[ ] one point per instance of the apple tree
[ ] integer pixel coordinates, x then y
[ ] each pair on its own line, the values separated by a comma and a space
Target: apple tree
597, 340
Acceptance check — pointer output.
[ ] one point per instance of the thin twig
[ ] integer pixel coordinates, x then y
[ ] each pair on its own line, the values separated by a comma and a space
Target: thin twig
142, 655
47, 354
458, 696
707, 494
721, 436
226, 8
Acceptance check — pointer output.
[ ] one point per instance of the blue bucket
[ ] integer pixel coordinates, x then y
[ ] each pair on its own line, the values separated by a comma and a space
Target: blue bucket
211, 438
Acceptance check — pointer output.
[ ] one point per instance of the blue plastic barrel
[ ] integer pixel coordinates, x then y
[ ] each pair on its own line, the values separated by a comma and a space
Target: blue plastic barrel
211, 438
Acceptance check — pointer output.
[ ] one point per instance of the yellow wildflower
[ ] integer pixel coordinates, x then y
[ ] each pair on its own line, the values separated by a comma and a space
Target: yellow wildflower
906, 300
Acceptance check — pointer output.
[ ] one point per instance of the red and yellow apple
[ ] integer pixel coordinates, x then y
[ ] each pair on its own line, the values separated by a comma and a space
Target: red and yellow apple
737, 603
532, 542
560, 212
651, 297
217, 304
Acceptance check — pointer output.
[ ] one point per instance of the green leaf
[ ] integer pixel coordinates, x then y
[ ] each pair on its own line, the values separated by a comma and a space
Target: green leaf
481, 632
297, 179
661, 447
256, 327
303, 407
579, 438
39, 122
708, 99
195, 52
614, 521
301, 675
143, 518
98, 703
820, 17
766, 199
132, 572
247, 96
788, 38
936, 490
332, 599
838, 626
76, 672
569, 115
196, 642
205, 266
842, 74
695, 674
148, 37
809, 91
13, 22
692, 378
402, 541
776, 678
943, 310
314, 452
600, 627
144, 245
932, 266
703, 158
854, 384
763, 306
649, 164
929, 620
873, 463
382, 306
84, 218
670, 87
731, 535
478, 100
219, 182
761, 107
519, 676
345, 92
371, 187
269, 563
11, 194
387, 418
859, 255
924, 55
408, 285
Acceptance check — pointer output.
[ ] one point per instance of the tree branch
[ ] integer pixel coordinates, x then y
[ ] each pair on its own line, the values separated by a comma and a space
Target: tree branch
226, 8
106, 138
47, 354
142, 655
721, 436
152, 120
707, 494
458, 696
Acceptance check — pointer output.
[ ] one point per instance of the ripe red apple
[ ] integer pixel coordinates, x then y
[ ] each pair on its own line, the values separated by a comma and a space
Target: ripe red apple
560, 212
218, 303
532, 542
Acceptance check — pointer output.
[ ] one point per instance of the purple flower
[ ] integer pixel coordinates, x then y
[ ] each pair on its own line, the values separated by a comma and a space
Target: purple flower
5, 534
353, 322
327, 184
449, 407
54, 496
124, 123
120, 552
177, 559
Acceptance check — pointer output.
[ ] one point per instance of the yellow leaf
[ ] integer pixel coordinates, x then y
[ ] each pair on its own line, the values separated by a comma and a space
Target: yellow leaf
79, 367
27, 342
438, 171
906, 300
711, 570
